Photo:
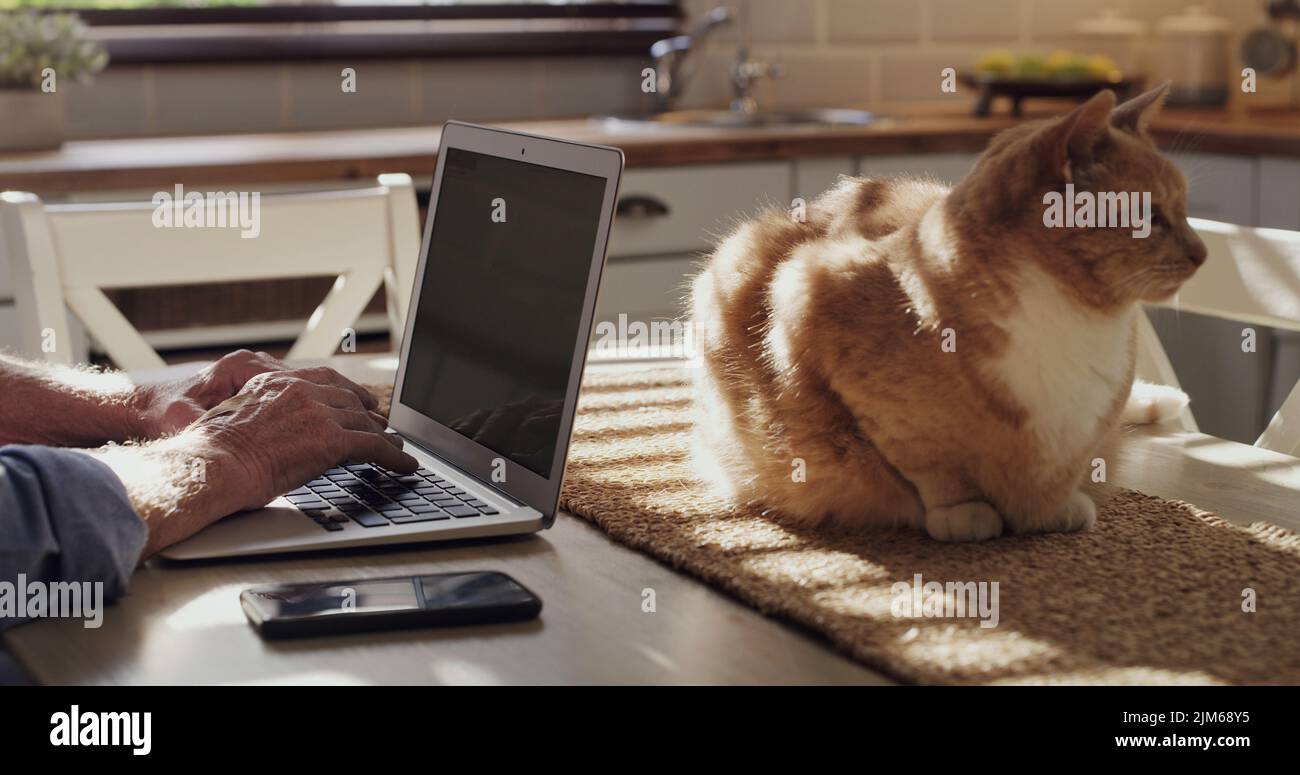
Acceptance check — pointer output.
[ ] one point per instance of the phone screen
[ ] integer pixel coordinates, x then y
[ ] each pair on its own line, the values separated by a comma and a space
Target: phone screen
441, 592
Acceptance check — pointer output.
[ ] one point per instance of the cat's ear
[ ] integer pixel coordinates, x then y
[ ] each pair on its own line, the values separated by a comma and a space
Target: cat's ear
1135, 114
1072, 140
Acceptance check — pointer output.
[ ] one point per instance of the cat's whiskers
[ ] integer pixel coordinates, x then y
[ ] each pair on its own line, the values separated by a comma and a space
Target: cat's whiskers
1131, 279
1136, 272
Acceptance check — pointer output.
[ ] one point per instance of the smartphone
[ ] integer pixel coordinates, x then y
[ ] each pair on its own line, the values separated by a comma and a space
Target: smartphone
401, 602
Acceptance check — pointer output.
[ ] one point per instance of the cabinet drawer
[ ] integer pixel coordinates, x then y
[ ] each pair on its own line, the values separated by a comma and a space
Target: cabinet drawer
683, 209
948, 168
646, 289
815, 176
1219, 187
9, 337
1279, 193
6, 286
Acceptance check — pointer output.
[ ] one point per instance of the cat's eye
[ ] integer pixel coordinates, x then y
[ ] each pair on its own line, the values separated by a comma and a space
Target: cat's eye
1158, 218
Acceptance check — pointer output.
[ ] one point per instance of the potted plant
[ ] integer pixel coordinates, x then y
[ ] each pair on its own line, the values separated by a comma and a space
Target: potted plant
39, 54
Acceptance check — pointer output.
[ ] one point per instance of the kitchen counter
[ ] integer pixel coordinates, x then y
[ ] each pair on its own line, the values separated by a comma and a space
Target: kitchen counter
158, 163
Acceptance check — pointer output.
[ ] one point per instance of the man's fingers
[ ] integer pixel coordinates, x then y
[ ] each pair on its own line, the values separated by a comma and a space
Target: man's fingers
272, 363
262, 363
337, 397
373, 448
245, 365
381, 423
368, 422
323, 375
356, 421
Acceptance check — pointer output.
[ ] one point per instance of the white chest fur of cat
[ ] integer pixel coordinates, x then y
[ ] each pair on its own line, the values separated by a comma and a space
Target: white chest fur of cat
1064, 364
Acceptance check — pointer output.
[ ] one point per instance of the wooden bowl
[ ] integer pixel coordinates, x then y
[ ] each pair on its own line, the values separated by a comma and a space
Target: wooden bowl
1018, 88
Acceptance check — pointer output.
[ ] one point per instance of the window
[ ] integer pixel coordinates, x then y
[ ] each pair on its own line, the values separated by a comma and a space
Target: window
146, 31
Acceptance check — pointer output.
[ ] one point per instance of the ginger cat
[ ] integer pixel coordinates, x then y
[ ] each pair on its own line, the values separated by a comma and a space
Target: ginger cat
913, 355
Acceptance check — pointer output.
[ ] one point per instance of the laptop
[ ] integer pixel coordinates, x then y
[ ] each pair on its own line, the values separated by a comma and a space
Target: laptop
491, 360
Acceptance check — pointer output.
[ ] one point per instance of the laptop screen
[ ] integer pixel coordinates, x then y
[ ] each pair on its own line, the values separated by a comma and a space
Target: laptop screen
501, 302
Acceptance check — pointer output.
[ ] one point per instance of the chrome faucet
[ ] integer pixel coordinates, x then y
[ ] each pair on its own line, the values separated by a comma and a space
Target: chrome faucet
676, 59
744, 73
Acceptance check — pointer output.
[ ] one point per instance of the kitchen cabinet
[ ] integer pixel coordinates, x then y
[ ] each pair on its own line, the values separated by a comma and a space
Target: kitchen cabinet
1220, 188
670, 210
670, 217
647, 288
948, 168
9, 327
815, 175
667, 220
1279, 193
1230, 389
1233, 393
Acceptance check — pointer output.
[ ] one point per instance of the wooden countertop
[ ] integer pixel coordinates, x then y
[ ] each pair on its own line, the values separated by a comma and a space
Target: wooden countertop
161, 162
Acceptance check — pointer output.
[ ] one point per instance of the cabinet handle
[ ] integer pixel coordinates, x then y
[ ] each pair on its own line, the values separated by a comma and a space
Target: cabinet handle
641, 206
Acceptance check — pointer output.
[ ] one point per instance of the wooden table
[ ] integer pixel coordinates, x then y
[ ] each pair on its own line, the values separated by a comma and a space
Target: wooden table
182, 624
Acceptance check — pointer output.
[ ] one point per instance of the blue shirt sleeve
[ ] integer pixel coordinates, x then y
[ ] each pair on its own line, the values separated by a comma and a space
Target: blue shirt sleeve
65, 516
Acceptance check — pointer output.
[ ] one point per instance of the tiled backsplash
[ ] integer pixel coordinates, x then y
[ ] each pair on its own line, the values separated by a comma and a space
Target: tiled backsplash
834, 52
254, 97
852, 51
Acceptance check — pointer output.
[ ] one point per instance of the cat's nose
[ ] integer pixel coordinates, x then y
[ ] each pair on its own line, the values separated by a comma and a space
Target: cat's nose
1196, 251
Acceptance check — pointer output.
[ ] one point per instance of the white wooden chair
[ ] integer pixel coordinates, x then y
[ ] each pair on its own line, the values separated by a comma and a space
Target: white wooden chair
63, 257
1252, 276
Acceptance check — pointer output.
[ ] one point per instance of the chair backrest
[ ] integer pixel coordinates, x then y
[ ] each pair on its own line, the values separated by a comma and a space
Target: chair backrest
1251, 276
64, 256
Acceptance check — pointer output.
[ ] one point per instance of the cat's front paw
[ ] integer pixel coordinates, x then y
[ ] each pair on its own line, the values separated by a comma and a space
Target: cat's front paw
968, 521
1079, 513
1151, 403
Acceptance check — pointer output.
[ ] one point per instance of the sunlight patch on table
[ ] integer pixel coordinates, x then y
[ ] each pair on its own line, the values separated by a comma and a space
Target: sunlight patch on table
215, 608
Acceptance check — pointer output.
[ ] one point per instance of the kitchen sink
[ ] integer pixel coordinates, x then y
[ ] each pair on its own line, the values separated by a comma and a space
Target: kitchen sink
733, 119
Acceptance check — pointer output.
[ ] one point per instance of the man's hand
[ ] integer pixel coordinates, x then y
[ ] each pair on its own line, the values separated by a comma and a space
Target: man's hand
284, 428
162, 409
281, 430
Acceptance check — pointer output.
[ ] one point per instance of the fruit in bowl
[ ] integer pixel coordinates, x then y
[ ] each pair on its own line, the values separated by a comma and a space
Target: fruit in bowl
1061, 74
1067, 65
1000, 64
996, 62
1103, 68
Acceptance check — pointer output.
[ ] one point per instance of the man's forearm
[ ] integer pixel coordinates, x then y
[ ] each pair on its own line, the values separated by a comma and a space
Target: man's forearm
178, 485
63, 406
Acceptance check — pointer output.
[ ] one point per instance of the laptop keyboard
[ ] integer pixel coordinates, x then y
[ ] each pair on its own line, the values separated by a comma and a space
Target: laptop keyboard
372, 496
